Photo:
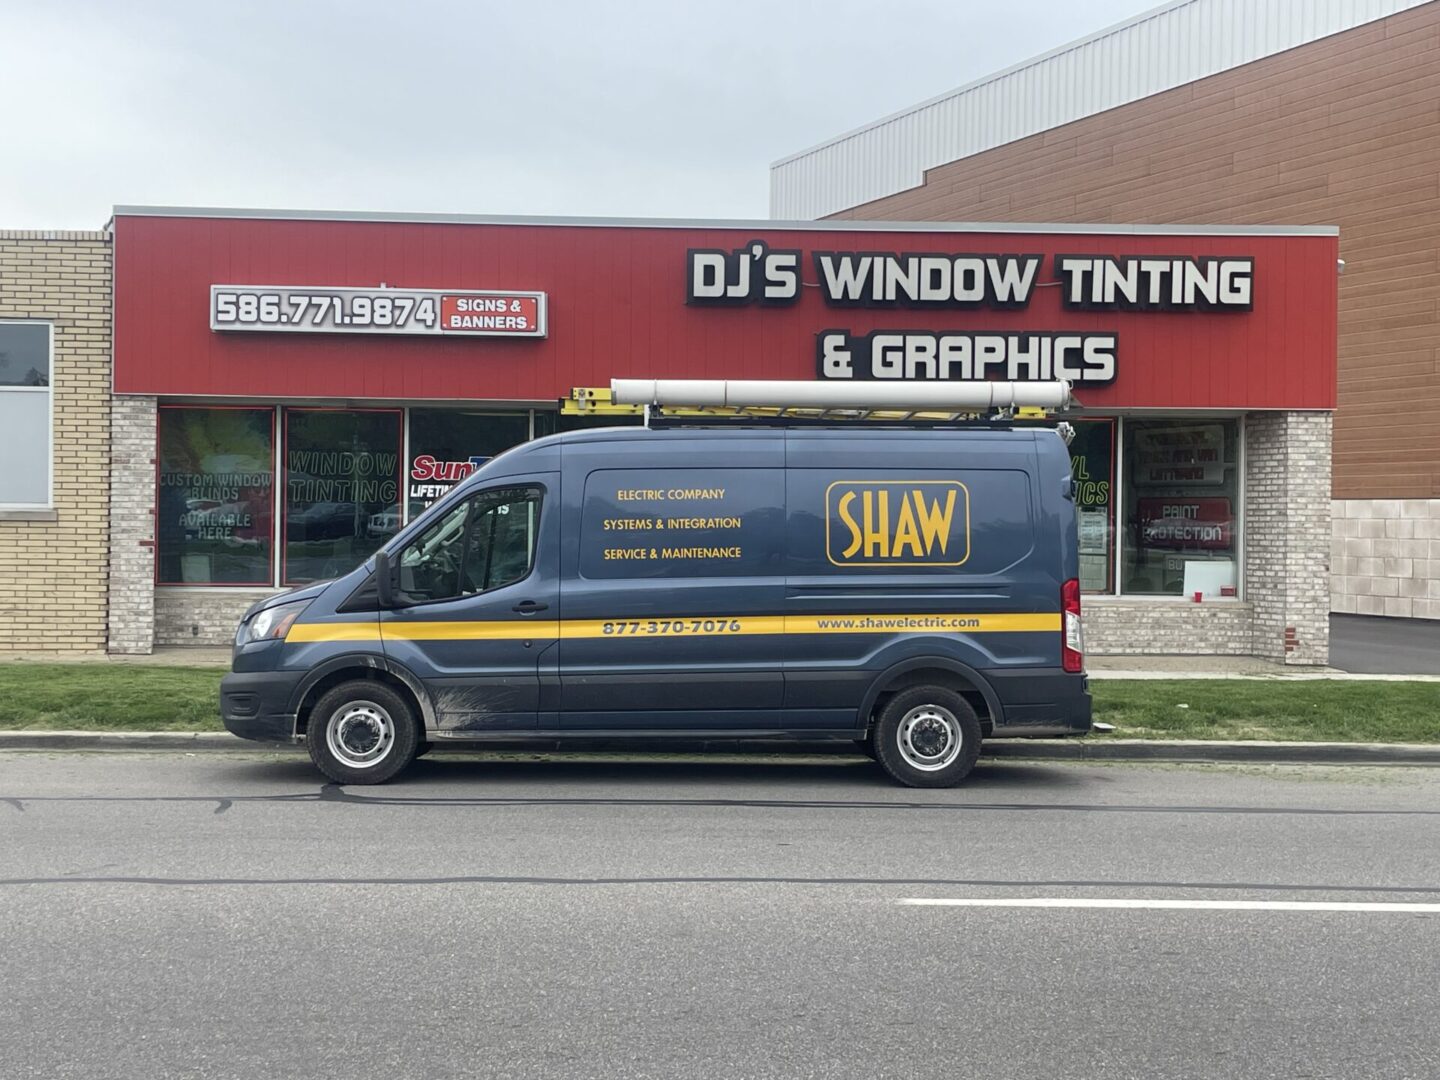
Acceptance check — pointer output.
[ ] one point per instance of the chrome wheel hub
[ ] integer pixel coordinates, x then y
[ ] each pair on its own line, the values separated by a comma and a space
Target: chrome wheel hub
360, 734
929, 737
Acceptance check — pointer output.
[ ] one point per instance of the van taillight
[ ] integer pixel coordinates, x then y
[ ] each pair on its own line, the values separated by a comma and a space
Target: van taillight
1072, 644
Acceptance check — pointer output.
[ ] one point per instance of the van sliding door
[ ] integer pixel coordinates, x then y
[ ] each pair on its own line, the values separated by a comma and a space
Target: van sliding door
673, 587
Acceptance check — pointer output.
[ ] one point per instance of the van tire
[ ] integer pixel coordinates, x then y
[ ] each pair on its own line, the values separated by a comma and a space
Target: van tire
927, 736
362, 732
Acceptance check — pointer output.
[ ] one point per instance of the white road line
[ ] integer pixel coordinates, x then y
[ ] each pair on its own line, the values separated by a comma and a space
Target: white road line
1174, 905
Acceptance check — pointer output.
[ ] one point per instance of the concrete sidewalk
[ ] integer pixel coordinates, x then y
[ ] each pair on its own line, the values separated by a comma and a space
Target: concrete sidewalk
1091, 749
1378, 645
1226, 667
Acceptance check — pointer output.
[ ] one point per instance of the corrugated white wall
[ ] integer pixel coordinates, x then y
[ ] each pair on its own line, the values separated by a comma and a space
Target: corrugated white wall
1161, 49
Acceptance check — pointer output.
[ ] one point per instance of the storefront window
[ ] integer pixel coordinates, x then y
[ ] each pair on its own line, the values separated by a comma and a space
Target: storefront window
447, 445
1092, 463
342, 489
1181, 481
215, 505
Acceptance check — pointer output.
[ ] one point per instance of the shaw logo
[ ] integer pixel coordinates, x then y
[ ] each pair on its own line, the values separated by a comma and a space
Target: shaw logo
897, 523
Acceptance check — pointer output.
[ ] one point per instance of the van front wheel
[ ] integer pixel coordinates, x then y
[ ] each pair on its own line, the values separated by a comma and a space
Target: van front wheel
362, 732
927, 736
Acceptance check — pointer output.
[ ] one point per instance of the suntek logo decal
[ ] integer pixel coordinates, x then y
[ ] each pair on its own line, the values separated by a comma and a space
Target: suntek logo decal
897, 523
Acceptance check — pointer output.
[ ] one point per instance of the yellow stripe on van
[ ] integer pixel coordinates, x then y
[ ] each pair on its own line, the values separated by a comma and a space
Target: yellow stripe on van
672, 627
922, 624
678, 627
334, 631
507, 630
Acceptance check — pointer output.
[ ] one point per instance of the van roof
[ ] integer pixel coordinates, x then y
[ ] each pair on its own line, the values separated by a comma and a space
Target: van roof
730, 430
760, 428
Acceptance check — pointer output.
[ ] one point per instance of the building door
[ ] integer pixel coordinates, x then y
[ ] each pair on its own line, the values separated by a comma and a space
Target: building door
480, 596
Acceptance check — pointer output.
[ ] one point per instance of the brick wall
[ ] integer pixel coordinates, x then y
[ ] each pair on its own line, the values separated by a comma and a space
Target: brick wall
201, 616
1309, 438
1386, 557
1166, 626
1287, 534
132, 525
53, 564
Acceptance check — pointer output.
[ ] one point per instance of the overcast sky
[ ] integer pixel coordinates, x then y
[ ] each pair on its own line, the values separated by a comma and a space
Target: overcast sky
539, 107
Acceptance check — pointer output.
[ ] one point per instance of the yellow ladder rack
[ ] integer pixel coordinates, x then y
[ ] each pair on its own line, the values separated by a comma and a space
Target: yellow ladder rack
599, 401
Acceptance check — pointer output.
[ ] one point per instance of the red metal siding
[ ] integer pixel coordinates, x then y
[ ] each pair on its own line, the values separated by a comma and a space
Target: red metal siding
617, 308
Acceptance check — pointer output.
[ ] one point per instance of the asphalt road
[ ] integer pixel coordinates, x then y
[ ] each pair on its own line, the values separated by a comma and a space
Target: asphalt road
226, 915
1371, 645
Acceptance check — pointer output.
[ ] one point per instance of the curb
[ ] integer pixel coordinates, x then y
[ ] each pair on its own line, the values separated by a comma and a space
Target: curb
132, 740
1203, 751
1101, 749
1323, 675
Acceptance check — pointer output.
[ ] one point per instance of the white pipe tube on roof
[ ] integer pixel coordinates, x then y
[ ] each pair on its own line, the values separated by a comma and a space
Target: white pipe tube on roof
799, 394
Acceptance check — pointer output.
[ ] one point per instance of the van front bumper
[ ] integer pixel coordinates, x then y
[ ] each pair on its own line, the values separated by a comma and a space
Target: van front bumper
1041, 703
256, 704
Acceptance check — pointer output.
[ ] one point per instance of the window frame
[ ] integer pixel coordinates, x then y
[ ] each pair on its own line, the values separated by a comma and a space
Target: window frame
1122, 481
1112, 569
470, 501
282, 475
49, 503
274, 497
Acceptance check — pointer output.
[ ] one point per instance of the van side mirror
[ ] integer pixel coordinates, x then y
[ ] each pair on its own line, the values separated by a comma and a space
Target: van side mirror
384, 582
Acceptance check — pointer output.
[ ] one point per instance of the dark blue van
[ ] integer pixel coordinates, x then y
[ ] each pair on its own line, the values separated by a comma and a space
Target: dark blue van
909, 588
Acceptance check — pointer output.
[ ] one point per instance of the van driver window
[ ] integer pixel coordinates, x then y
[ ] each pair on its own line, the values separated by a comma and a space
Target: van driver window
481, 544
502, 539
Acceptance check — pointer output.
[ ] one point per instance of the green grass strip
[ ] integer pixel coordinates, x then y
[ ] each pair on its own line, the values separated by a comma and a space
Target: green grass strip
104, 696
1318, 710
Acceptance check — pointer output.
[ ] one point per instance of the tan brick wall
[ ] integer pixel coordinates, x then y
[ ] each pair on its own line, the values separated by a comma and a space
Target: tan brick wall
53, 570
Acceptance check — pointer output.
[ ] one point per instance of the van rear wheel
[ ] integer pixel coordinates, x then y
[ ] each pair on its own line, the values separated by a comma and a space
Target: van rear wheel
927, 736
362, 732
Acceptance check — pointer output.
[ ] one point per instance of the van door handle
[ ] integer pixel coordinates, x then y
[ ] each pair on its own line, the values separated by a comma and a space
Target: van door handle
529, 607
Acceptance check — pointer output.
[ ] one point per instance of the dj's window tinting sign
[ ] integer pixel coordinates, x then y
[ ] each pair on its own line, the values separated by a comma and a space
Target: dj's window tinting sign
944, 283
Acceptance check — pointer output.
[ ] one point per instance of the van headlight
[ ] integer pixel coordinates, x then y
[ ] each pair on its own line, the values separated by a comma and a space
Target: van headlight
271, 623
